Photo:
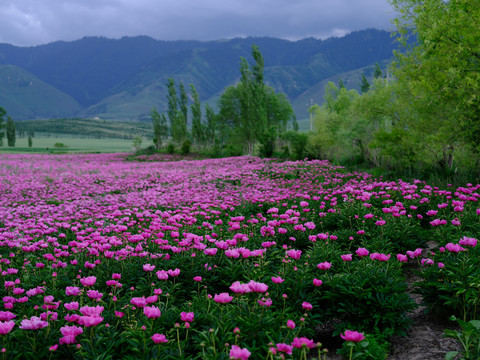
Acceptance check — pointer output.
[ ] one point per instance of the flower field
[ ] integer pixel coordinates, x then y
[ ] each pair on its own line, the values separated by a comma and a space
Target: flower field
103, 258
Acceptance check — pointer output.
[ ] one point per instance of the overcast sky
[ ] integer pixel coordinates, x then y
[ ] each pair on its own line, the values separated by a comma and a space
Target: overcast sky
34, 22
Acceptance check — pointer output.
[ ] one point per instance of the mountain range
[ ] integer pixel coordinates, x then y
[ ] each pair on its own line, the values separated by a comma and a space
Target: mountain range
123, 79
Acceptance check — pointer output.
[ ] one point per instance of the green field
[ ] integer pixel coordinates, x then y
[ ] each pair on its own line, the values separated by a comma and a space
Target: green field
73, 144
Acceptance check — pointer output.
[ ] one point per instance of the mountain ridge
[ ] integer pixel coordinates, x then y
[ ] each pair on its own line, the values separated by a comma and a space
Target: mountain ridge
125, 78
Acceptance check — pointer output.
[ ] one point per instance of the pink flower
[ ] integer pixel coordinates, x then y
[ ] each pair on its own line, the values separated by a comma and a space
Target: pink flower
454, 248
239, 288
222, 298
346, 257
187, 316
173, 273
34, 323
53, 347
210, 251
294, 254
72, 291
303, 342
307, 305
277, 280
414, 254
353, 336
159, 338
139, 302
71, 330
148, 267
88, 321
368, 216
290, 324
7, 316
402, 258
380, 257
287, 349
152, 312
91, 310
468, 241
317, 282
94, 294
238, 353
362, 252
265, 302
257, 286
6, 327
162, 275
88, 281
197, 278
324, 265
67, 340
71, 305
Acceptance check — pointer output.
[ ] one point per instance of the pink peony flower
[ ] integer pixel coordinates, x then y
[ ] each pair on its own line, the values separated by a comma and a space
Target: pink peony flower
187, 316
162, 275
287, 349
317, 282
152, 312
159, 338
346, 257
88, 281
91, 310
277, 280
362, 252
197, 278
34, 323
257, 286
324, 266
307, 305
89, 321
222, 298
290, 324
238, 353
239, 288
94, 294
303, 342
148, 267
6, 327
353, 336
72, 291
173, 273
71, 305
7, 316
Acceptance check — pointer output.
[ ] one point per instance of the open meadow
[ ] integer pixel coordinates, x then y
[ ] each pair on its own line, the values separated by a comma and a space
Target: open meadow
233, 258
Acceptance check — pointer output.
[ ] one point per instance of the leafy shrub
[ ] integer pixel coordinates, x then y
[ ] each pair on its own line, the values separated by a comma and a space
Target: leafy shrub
370, 284
374, 347
468, 336
170, 149
59, 145
186, 147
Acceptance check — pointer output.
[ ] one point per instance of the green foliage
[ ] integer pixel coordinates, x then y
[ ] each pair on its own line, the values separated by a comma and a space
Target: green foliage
186, 147
137, 143
198, 131
3, 112
170, 148
453, 289
60, 145
160, 128
29, 141
370, 284
468, 336
373, 347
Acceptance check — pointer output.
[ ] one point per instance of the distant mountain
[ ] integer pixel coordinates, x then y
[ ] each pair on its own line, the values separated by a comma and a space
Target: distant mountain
25, 96
125, 78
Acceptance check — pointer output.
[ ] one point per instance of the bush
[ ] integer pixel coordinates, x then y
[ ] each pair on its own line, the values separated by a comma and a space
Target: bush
186, 147
170, 149
59, 145
371, 348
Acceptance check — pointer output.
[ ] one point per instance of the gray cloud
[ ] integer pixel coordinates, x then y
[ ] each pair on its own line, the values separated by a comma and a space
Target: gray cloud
33, 22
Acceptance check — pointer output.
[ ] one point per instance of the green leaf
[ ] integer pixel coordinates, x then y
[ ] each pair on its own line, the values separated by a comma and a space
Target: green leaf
451, 355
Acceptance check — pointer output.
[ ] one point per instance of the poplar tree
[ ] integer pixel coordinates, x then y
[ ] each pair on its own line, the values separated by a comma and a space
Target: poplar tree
196, 107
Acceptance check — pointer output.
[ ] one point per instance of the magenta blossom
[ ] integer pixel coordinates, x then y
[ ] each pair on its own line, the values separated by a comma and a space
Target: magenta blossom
257, 286
152, 312
290, 324
353, 336
89, 321
317, 282
72, 291
239, 288
277, 280
238, 353
148, 267
362, 252
307, 305
324, 265
6, 327
222, 298
159, 338
88, 281
303, 342
187, 316
34, 323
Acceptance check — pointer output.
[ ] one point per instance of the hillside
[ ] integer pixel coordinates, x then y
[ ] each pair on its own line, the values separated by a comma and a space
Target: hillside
123, 79
25, 96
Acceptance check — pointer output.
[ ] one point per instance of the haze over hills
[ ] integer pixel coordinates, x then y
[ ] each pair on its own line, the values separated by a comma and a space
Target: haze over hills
124, 79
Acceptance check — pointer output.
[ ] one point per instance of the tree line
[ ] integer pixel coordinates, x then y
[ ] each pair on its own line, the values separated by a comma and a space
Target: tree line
250, 115
422, 115
7, 129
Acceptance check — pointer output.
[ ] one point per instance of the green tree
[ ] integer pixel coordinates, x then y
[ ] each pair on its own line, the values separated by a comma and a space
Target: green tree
11, 133
377, 72
29, 141
172, 110
210, 125
197, 126
443, 65
183, 103
365, 84
3, 112
160, 128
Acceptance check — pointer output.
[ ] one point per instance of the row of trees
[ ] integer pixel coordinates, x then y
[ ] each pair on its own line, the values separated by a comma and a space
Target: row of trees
249, 113
9, 127
426, 116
